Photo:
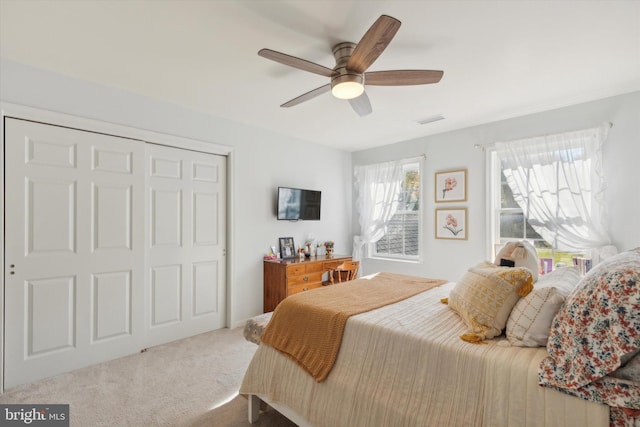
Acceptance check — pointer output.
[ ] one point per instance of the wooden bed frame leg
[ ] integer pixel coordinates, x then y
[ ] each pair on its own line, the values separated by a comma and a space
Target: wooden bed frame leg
254, 408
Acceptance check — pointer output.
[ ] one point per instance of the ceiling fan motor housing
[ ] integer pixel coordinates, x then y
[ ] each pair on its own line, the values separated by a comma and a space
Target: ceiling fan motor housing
342, 52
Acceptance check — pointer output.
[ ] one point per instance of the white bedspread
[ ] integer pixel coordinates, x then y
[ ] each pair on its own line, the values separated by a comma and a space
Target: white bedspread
404, 365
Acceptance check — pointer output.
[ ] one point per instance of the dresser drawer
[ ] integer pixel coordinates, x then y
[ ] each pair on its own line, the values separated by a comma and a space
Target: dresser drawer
296, 269
304, 267
314, 267
305, 279
303, 287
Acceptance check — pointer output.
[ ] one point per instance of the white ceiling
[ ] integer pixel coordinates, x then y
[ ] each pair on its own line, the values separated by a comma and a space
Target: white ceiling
500, 59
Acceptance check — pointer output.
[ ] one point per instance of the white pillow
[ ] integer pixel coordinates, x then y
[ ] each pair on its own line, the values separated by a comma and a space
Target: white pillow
531, 317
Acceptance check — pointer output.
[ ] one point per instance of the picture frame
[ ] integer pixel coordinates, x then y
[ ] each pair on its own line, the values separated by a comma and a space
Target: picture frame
451, 186
451, 223
287, 247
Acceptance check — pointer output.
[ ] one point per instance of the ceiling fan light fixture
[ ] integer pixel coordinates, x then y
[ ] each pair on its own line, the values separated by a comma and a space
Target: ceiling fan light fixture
347, 86
352, 62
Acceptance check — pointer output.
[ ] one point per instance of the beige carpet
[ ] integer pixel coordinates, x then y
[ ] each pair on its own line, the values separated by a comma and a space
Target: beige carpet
191, 382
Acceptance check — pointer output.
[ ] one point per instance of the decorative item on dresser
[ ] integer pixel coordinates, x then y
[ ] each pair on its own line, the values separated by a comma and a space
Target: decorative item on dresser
290, 276
287, 247
328, 246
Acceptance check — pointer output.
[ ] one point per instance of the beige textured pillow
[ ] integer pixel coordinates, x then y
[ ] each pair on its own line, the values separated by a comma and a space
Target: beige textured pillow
485, 295
530, 319
522, 254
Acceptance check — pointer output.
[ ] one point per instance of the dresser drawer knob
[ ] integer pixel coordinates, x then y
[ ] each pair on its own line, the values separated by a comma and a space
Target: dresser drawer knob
305, 278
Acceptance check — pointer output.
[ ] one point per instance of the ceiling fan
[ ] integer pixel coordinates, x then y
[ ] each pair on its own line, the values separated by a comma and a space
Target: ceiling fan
349, 76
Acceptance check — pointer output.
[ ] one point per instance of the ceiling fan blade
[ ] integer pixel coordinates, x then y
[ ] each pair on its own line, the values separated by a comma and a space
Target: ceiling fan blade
307, 96
292, 61
402, 77
361, 105
374, 41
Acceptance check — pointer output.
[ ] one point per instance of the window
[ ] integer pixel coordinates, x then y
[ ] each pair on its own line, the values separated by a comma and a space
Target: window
510, 224
558, 182
402, 235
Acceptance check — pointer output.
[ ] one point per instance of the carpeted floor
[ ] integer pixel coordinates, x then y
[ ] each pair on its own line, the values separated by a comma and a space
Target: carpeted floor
191, 382
234, 414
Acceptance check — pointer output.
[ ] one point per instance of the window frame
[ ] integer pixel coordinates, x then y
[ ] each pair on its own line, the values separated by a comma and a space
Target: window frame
496, 209
494, 240
371, 251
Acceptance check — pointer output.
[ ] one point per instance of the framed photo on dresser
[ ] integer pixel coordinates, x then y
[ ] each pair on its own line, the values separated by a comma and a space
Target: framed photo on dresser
287, 247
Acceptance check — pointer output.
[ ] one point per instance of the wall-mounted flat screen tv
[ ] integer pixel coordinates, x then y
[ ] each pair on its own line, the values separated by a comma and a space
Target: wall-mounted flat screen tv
296, 203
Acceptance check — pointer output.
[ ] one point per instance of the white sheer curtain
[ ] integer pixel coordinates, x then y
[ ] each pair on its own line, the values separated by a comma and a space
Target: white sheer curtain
378, 188
557, 180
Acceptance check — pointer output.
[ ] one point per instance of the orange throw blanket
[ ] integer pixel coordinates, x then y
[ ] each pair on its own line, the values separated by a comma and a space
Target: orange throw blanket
308, 327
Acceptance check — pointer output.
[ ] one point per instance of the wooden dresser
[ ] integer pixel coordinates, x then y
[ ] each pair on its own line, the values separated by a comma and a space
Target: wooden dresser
293, 275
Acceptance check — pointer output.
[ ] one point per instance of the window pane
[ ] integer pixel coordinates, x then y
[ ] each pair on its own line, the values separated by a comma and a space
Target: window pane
512, 225
506, 195
402, 236
403, 231
410, 198
530, 232
395, 235
411, 227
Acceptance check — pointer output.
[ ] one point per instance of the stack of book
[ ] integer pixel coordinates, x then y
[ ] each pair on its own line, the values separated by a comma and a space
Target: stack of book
583, 264
546, 265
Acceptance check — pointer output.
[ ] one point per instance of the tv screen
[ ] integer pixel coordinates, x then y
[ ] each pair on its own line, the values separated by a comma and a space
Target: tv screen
296, 203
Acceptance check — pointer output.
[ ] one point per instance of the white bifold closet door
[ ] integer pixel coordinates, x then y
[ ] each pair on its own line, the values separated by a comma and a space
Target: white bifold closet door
186, 193
74, 241
111, 245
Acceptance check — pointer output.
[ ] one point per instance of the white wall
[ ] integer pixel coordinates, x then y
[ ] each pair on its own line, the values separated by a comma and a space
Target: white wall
261, 162
264, 160
453, 150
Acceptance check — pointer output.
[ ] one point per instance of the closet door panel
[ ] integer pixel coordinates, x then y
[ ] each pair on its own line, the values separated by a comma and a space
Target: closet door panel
51, 216
112, 221
111, 302
74, 263
186, 248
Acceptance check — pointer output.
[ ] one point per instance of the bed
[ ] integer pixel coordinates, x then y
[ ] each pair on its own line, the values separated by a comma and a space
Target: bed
405, 364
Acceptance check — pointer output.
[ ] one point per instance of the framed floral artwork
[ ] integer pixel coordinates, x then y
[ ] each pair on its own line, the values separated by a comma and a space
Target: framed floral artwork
451, 224
451, 186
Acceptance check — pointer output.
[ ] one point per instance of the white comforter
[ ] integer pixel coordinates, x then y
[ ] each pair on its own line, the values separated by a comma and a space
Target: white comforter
405, 365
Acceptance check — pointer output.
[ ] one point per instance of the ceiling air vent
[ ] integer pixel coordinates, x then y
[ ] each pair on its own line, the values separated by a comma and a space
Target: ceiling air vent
431, 119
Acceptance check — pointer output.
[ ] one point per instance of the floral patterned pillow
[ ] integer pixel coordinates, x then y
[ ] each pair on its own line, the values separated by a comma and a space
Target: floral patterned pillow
598, 325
